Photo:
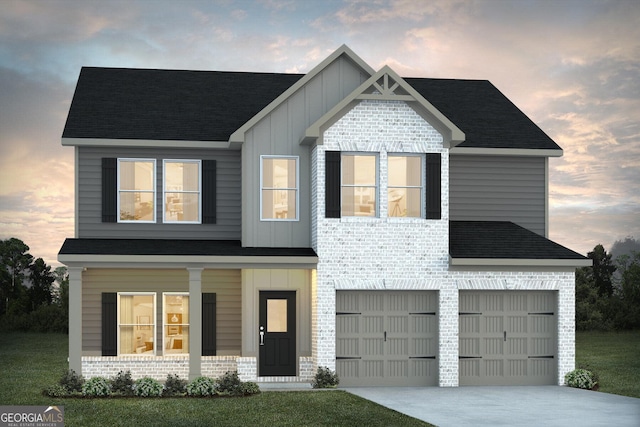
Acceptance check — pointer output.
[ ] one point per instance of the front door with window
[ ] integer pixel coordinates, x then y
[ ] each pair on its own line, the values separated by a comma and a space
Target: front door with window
277, 333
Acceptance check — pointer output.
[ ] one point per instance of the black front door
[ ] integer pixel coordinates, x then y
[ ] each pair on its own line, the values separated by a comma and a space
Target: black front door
277, 333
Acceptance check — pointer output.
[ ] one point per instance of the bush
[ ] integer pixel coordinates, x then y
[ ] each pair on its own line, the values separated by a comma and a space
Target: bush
325, 378
229, 385
55, 390
147, 387
174, 386
250, 388
581, 378
72, 382
122, 383
202, 387
96, 387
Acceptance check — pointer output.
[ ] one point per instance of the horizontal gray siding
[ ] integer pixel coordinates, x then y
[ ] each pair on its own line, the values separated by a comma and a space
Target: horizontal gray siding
225, 283
90, 225
498, 188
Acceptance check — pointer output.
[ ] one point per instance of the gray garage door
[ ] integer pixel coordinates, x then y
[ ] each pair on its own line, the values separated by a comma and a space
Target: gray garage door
386, 338
508, 338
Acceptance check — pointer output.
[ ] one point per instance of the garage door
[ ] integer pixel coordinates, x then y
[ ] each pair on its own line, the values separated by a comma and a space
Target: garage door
386, 338
508, 338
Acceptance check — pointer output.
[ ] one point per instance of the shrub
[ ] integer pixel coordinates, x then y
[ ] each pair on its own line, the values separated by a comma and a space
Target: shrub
250, 388
96, 387
122, 383
147, 387
325, 378
71, 381
229, 384
580, 378
174, 386
201, 387
55, 390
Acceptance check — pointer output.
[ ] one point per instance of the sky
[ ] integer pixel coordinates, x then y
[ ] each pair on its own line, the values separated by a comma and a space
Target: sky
572, 66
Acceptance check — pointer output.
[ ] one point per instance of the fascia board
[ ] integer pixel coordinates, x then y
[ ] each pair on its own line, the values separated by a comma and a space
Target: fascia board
506, 152
174, 261
455, 136
514, 262
144, 143
238, 135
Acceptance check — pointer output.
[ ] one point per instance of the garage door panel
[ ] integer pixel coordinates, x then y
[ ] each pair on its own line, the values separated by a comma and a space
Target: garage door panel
396, 334
516, 336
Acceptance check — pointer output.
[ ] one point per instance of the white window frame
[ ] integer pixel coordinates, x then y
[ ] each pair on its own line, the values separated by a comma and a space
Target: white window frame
377, 182
165, 324
296, 189
423, 165
165, 191
154, 322
120, 191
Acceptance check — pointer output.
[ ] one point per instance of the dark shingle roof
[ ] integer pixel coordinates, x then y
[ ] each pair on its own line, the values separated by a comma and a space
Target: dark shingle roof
120, 103
502, 240
173, 247
123, 103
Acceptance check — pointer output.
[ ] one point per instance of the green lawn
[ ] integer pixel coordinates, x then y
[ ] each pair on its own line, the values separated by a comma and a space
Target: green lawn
614, 357
30, 362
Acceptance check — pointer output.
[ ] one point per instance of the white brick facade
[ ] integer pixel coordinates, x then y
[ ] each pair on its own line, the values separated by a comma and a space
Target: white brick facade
404, 253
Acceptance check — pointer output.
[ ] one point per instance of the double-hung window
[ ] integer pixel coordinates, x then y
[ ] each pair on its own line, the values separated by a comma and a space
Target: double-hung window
359, 185
405, 186
176, 323
136, 190
136, 323
279, 188
182, 195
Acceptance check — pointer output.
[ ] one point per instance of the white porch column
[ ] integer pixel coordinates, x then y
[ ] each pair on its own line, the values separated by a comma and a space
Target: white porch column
75, 318
195, 322
448, 332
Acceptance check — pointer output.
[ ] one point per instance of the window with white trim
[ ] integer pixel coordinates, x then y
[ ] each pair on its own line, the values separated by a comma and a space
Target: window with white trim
279, 188
176, 323
136, 190
182, 181
405, 186
136, 323
359, 185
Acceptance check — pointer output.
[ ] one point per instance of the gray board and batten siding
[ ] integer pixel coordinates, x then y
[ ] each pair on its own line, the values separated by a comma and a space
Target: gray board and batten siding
499, 188
89, 197
280, 133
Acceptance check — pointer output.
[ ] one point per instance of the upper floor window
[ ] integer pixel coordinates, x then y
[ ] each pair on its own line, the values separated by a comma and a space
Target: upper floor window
405, 186
136, 325
279, 186
136, 190
359, 185
182, 195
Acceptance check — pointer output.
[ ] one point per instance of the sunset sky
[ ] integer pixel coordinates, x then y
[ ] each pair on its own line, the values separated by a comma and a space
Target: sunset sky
572, 66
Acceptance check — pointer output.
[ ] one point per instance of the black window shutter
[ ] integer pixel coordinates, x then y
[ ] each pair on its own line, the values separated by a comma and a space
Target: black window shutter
208, 324
332, 184
109, 189
109, 324
209, 192
434, 186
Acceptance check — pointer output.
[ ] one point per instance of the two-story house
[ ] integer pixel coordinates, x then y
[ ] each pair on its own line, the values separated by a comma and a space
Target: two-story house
393, 229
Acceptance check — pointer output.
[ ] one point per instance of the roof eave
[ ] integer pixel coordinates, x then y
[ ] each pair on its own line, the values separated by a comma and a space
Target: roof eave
518, 262
508, 151
143, 143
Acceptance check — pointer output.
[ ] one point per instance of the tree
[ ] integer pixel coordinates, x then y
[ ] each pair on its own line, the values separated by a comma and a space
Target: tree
14, 264
602, 270
41, 278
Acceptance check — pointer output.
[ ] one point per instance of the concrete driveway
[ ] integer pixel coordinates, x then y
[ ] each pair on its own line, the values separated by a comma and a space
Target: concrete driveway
507, 406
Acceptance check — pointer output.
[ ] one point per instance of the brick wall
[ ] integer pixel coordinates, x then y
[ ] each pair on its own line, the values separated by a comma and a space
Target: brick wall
404, 253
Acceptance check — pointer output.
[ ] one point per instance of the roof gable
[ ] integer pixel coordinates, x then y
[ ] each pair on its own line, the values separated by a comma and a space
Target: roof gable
389, 86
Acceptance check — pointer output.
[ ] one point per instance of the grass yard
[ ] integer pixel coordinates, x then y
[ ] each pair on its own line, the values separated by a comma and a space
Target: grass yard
30, 362
614, 357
